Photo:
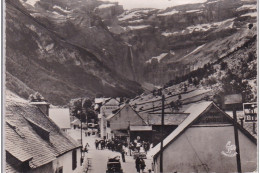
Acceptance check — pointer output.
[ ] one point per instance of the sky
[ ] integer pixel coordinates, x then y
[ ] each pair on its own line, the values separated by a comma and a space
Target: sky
159, 4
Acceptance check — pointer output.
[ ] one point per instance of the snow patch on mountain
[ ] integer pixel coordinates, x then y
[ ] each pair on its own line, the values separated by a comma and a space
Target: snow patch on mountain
168, 13
138, 27
159, 58
133, 14
167, 34
32, 2
136, 21
208, 26
60, 8
248, 6
194, 11
195, 50
106, 6
158, 4
253, 14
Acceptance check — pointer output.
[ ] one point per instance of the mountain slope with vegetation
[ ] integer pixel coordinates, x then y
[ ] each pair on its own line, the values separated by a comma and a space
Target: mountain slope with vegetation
43, 61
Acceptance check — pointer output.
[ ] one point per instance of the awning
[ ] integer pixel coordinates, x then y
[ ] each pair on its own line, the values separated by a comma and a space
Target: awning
120, 133
140, 128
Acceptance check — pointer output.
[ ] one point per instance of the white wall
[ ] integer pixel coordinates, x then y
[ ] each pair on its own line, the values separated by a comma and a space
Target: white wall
105, 111
66, 162
200, 148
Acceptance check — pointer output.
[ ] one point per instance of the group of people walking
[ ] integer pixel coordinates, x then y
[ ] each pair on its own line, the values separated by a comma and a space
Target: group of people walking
140, 146
121, 146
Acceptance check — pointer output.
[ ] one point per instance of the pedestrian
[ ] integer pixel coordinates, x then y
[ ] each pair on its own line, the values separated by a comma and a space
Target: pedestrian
96, 143
138, 146
123, 155
137, 164
142, 164
86, 147
112, 146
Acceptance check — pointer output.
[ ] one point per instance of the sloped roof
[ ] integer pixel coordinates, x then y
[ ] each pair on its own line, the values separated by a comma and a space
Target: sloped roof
100, 100
61, 116
76, 122
22, 140
246, 125
195, 111
111, 102
169, 119
112, 115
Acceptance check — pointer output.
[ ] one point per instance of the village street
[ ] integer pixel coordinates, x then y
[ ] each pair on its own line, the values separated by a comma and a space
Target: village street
98, 158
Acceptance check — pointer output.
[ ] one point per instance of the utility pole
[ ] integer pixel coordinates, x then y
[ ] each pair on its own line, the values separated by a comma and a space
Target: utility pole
162, 136
237, 141
81, 140
233, 100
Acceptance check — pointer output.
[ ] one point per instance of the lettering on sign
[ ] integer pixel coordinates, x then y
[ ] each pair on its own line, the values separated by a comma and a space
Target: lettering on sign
109, 107
250, 111
213, 117
230, 150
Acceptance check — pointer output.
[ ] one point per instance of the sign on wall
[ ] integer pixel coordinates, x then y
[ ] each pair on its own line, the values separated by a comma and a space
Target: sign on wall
250, 111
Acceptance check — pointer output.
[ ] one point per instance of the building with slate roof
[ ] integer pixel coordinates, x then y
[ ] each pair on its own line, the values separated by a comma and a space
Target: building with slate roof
205, 142
34, 143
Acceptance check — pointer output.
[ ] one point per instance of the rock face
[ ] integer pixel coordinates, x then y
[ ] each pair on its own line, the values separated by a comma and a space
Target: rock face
68, 49
172, 42
40, 56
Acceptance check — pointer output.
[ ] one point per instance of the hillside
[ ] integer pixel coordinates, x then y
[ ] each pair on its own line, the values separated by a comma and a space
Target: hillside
70, 49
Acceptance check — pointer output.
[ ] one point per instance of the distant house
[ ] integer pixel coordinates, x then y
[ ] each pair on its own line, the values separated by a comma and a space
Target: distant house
99, 102
75, 123
34, 143
205, 142
61, 117
106, 109
119, 123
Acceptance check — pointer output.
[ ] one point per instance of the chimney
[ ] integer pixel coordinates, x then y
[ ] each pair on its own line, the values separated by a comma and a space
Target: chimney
42, 105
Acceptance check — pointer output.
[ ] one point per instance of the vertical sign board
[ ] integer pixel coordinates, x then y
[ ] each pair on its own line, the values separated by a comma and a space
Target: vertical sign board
250, 111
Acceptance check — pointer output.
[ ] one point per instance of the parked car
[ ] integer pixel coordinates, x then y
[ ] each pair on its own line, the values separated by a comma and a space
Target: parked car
114, 165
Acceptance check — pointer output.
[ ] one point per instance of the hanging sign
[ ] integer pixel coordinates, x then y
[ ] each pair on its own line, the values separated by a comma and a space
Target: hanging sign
250, 111
233, 99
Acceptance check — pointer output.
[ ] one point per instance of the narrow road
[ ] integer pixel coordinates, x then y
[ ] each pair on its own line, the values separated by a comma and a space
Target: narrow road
98, 158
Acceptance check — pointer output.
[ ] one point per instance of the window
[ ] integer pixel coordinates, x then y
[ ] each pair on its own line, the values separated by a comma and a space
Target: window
108, 124
74, 159
59, 170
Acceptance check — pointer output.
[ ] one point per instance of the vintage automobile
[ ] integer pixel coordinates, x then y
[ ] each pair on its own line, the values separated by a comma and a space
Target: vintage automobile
114, 165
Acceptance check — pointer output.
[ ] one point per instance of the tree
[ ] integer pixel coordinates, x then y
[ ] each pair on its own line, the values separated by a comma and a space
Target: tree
223, 66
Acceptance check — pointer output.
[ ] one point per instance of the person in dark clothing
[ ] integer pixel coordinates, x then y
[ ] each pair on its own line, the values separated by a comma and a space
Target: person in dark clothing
123, 155
142, 164
138, 164
96, 143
